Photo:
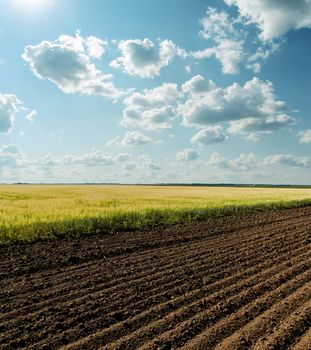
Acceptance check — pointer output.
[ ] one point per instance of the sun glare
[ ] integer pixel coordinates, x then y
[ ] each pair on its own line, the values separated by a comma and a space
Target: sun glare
32, 5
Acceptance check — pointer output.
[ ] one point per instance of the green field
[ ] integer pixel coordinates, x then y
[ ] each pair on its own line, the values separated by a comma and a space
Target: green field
33, 212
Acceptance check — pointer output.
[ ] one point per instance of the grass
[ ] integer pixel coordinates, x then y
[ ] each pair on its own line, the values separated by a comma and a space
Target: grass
36, 212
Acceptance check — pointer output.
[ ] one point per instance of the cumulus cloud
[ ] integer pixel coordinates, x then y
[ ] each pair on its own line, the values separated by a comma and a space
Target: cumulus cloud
130, 138
229, 52
244, 162
218, 161
229, 45
89, 159
95, 46
255, 103
253, 128
94, 158
67, 62
289, 160
144, 58
247, 162
187, 155
232, 37
150, 163
305, 136
11, 156
152, 109
198, 86
274, 17
9, 106
211, 134
217, 25
12, 159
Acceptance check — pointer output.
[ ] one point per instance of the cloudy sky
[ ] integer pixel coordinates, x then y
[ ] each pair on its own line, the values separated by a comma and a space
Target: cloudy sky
139, 91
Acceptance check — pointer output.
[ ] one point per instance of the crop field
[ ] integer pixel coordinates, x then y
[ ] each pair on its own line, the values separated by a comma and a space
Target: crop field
155, 267
235, 282
33, 212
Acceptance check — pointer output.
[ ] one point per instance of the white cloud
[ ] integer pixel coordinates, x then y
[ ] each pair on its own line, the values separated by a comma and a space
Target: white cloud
150, 119
90, 159
11, 156
217, 25
94, 158
149, 163
252, 109
32, 115
274, 17
152, 109
187, 155
130, 138
217, 161
229, 52
262, 53
289, 160
9, 149
67, 62
244, 162
305, 136
9, 106
253, 128
164, 94
211, 134
143, 58
229, 45
198, 86
95, 46
11, 159
231, 38
255, 99
123, 157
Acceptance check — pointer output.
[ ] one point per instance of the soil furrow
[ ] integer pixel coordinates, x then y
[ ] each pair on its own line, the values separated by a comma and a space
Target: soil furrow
304, 343
249, 323
236, 282
193, 319
88, 298
123, 301
83, 291
79, 286
65, 252
163, 298
291, 329
88, 269
173, 311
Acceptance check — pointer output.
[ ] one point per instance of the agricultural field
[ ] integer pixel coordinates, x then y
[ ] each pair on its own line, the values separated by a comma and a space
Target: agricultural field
35, 212
235, 282
155, 267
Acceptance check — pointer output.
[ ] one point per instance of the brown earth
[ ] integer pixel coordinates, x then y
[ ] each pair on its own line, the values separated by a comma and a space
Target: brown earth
231, 283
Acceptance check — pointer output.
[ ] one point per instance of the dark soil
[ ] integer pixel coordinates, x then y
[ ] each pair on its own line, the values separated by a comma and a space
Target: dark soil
239, 282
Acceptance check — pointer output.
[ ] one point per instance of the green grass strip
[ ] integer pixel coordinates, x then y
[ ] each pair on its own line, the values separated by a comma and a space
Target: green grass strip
120, 220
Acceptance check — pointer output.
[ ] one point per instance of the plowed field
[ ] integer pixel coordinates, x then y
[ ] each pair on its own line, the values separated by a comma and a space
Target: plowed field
231, 283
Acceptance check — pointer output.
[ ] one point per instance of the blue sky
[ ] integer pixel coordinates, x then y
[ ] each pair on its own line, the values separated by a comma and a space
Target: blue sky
155, 91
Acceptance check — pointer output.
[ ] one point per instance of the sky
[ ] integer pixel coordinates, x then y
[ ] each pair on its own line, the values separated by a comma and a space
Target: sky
136, 91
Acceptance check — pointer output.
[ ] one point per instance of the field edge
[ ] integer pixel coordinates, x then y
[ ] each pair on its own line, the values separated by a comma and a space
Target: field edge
133, 220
